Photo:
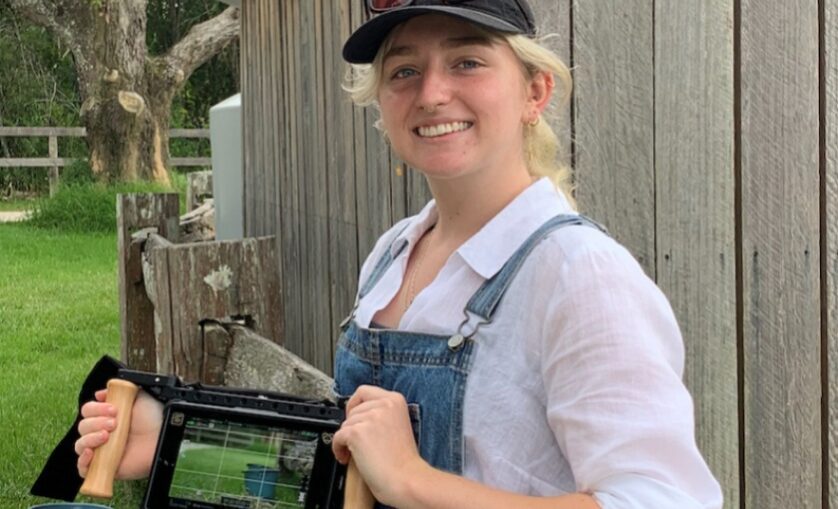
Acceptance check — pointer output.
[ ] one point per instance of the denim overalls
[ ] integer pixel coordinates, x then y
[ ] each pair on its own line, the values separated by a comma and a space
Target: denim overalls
431, 371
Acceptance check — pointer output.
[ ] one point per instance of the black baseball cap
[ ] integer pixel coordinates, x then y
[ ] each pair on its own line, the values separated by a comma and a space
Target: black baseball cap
508, 16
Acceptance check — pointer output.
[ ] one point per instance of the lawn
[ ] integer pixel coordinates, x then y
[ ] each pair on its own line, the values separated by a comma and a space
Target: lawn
14, 205
58, 314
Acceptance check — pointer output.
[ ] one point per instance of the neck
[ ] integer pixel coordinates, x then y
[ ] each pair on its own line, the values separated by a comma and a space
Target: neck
467, 203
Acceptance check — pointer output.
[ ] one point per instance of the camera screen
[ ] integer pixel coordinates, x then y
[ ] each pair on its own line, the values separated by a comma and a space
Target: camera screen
236, 465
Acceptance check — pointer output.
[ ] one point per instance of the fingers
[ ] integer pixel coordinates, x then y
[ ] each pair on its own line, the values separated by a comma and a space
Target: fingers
98, 420
366, 393
97, 409
83, 463
344, 439
93, 424
91, 441
366, 404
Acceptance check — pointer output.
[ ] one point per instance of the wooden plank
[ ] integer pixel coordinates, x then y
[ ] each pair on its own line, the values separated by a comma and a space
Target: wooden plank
614, 120
343, 249
375, 213
190, 161
164, 332
263, 161
357, 16
246, 50
276, 129
34, 162
189, 133
696, 224
297, 142
53, 170
781, 253
373, 170
830, 223
75, 132
318, 198
136, 313
553, 21
288, 185
81, 132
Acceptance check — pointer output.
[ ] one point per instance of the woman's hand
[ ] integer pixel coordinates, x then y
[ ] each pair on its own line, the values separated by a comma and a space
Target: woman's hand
99, 419
377, 435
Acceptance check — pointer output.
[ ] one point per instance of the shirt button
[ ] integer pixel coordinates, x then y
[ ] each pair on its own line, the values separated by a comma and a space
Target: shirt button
455, 342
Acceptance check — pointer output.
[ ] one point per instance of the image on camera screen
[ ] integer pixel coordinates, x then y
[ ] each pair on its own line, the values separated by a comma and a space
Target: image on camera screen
233, 465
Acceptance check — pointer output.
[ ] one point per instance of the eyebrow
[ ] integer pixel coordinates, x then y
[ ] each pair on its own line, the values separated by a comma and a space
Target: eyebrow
452, 42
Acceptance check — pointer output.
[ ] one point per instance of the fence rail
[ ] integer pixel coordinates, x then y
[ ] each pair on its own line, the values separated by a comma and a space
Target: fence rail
54, 163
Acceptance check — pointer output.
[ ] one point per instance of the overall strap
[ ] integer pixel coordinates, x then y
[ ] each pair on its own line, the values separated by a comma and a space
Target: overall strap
383, 264
485, 301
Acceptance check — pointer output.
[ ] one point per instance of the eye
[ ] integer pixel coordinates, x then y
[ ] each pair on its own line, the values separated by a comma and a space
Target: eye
468, 64
405, 72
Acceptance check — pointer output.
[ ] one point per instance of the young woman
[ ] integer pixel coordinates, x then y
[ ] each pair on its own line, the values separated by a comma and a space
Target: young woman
503, 352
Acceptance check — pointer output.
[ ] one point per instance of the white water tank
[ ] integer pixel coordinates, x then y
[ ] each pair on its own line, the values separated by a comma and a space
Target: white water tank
227, 168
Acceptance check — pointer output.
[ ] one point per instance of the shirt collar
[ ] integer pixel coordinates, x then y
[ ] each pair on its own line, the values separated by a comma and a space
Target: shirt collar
414, 230
490, 248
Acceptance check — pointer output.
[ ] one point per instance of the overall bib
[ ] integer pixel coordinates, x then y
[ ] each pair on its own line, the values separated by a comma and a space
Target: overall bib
430, 371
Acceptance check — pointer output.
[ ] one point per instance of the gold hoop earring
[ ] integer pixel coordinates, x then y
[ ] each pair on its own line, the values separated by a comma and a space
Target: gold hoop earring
533, 123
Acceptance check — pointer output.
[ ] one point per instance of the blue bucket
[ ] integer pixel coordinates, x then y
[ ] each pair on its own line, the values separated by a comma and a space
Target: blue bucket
260, 481
70, 505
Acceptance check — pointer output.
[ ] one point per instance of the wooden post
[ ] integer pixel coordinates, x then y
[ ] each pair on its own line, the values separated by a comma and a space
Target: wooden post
53, 170
135, 212
196, 285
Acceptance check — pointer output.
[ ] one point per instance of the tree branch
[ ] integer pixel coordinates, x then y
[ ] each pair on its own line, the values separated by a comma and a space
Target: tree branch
203, 42
68, 21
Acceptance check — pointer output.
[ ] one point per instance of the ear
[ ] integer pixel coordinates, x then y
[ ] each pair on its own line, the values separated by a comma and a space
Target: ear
540, 91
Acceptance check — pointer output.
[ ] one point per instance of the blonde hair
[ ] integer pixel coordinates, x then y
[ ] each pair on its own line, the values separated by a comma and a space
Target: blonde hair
541, 145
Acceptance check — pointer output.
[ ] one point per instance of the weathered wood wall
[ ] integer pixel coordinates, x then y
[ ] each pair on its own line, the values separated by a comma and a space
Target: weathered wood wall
702, 133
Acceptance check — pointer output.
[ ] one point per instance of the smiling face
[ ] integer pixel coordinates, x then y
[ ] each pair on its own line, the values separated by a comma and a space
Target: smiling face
454, 102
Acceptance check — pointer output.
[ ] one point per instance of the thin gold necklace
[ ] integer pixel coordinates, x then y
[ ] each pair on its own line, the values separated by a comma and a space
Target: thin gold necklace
410, 294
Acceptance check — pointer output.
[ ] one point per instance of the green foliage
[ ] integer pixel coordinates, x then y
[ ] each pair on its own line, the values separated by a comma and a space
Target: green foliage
77, 173
86, 207
23, 182
42, 89
15, 205
59, 314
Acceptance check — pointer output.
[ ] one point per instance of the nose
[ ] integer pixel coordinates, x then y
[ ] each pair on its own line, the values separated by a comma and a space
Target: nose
435, 89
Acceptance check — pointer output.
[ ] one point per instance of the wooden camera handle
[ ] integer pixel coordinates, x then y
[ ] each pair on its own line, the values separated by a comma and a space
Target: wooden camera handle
356, 494
106, 459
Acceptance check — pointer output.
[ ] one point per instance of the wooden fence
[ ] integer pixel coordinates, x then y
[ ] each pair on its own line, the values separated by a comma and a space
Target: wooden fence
704, 136
54, 162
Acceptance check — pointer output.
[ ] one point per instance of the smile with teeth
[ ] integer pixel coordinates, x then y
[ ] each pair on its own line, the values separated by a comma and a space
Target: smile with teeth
443, 129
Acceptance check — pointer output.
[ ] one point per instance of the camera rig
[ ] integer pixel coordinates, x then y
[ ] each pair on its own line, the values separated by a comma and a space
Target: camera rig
225, 448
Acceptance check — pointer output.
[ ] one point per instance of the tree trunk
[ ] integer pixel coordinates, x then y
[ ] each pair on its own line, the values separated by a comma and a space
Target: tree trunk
128, 136
127, 93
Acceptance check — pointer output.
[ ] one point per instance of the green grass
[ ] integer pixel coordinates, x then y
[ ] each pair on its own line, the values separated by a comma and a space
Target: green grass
86, 207
226, 473
15, 205
58, 315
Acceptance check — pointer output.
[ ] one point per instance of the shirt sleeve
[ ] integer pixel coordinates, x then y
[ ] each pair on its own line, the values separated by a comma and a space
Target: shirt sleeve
612, 366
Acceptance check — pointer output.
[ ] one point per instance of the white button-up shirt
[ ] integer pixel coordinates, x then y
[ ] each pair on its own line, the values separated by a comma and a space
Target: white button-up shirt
576, 384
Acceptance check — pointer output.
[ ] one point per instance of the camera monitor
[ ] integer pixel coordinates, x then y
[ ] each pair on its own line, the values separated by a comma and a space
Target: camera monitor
212, 457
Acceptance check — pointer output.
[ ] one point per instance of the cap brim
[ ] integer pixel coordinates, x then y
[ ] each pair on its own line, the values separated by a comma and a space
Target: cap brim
363, 44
